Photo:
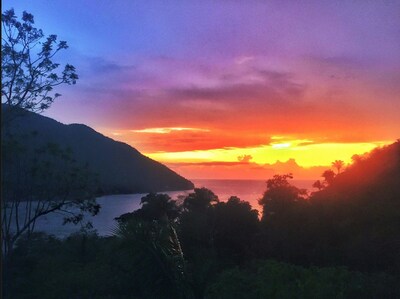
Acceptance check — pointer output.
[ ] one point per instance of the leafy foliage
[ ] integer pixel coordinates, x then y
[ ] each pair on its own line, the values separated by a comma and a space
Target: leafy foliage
313, 247
28, 73
270, 279
236, 228
338, 164
353, 221
36, 185
280, 196
157, 257
45, 179
154, 207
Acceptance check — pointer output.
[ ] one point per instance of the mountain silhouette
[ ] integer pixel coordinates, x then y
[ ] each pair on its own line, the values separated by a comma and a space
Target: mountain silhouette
374, 175
360, 212
120, 167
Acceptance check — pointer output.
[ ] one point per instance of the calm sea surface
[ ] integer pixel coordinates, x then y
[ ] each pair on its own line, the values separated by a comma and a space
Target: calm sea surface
114, 205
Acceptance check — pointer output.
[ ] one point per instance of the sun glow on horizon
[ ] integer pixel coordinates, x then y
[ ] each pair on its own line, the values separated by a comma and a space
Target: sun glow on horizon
305, 155
201, 152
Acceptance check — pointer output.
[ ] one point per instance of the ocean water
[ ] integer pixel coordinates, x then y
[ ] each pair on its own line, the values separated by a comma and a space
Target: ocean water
247, 190
114, 205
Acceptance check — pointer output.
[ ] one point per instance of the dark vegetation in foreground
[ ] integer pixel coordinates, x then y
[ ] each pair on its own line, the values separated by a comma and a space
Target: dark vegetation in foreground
342, 241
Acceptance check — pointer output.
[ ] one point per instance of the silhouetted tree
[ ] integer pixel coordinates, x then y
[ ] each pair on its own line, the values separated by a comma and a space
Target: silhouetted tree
34, 185
328, 176
28, 74
50, 181
155, 206
197, 231
358, 214
155, 247
280, 195
157, 257
198, 219
283, 219
201, 199
338, 164
235, 229
319, 185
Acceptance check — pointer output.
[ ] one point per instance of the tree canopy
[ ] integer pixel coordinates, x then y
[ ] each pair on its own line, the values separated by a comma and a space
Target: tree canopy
28, 72
36, 180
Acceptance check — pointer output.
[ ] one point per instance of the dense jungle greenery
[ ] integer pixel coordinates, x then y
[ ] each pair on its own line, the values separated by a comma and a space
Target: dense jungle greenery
342, 241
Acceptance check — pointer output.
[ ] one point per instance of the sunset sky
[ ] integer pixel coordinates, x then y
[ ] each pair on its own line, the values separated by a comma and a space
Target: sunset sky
231, 89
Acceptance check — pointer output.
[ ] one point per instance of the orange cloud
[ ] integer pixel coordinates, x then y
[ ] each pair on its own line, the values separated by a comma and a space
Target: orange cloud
185, 139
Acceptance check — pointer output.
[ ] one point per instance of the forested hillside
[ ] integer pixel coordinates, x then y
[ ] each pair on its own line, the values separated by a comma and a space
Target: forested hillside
119, 167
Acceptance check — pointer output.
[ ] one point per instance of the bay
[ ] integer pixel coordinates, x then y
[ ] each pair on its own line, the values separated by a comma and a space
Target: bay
114, 205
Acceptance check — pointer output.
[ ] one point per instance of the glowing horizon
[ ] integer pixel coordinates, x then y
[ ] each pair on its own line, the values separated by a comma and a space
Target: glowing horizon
305, 158
268, 154
197, 85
